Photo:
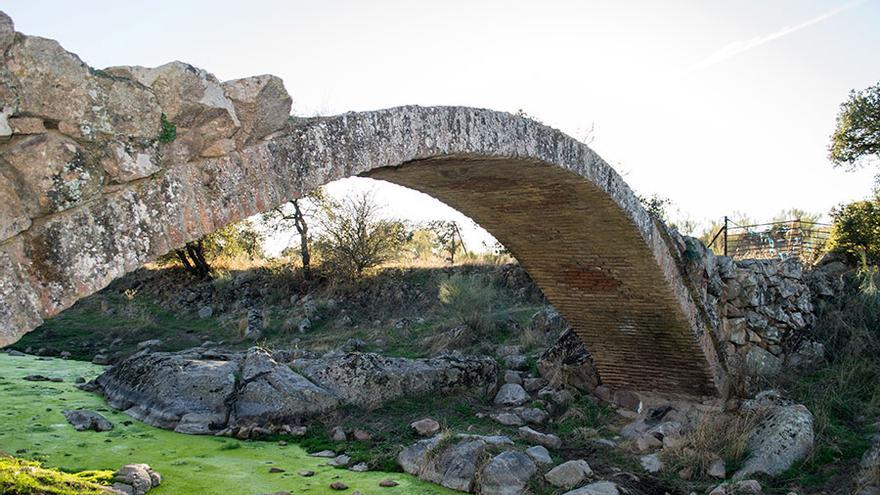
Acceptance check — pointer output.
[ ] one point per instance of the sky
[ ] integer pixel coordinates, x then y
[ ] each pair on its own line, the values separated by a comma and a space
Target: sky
720, 106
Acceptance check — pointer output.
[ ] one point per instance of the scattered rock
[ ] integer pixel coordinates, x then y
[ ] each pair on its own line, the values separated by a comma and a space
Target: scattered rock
533, 415
338, 485
275, 470
516, 362
206, 312
324, 453
597, 488
338, 434
341, 460
387, 483
539, 454
569, 474
361, 435
306, 473
511, 394
546, 439
425, 427
508, 473
136, 479
511, 376
717, 469
651, 463
87, 420
360, 467
507, 419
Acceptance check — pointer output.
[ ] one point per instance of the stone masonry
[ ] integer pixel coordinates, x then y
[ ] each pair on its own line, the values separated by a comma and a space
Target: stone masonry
104, 170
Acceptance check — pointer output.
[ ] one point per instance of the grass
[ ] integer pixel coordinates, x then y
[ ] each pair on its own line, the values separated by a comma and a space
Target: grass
843, 396
398, 312
21, 477
390, 429
33, 428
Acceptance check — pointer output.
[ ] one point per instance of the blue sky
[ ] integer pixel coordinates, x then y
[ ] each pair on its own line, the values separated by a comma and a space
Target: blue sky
718, 105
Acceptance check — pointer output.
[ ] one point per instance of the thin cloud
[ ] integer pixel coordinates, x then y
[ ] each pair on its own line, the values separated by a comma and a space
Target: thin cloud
735, 48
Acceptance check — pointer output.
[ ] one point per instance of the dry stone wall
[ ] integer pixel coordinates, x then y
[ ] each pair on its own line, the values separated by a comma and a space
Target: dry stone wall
761, 311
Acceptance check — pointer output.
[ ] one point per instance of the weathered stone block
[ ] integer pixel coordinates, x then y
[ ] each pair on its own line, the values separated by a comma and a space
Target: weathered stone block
261, 104
53, 172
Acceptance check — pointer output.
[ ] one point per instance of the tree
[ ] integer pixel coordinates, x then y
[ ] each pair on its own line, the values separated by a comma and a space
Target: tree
235, 239
294, 214
355, 238
856, 138
856, 230
449, 238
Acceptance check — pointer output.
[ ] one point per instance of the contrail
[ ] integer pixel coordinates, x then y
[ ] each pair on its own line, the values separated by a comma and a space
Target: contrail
735, 48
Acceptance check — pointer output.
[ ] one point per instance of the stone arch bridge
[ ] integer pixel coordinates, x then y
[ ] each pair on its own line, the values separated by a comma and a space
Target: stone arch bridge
103, 171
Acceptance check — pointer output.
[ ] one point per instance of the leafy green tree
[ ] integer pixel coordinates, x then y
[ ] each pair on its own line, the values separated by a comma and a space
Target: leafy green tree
355, 238
856, 137
856, 230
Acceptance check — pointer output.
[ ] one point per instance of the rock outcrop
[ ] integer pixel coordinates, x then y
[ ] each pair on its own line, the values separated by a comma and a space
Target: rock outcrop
202, 392
369, 380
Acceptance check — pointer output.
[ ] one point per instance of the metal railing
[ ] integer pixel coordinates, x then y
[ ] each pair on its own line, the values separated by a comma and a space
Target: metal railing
797, 238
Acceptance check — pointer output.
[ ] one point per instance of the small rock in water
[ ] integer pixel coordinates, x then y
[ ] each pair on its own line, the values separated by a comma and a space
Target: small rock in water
275, 470
338, 485
306, 474
87, 420
386, 483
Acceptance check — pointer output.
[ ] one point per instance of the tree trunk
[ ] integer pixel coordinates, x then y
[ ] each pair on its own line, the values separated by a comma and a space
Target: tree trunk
299, 221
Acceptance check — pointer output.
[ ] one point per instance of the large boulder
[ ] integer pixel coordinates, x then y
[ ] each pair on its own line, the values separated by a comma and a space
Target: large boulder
269, 392
370, 380
56, 85
569, 363
508, 473
450, 464
52, 171
782, 438
165, 389
261, 104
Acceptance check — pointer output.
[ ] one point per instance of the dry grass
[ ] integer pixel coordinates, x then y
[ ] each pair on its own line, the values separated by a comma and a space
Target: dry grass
717, 435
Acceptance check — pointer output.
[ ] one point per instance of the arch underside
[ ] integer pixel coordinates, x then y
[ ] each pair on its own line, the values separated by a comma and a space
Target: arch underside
565, 214
585, 255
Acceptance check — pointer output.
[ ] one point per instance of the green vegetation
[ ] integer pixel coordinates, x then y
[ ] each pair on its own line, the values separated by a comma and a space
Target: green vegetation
470, 300
33, 428
856, 137
20, 477
844, 396
856, 230
167, 130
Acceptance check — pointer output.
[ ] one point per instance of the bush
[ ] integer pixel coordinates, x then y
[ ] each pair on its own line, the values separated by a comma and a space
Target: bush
469, 300
20, 477
856, 230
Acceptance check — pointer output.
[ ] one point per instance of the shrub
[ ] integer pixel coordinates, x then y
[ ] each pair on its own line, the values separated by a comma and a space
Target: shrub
469, 300
20, 477
856, 230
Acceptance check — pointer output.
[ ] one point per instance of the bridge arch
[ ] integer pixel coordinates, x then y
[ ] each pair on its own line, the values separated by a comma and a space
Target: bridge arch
566, 215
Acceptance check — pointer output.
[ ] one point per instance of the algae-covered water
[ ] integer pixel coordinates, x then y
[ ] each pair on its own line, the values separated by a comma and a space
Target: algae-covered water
32, 426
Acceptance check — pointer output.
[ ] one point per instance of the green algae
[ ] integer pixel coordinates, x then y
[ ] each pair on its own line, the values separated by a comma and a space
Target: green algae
32, 427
